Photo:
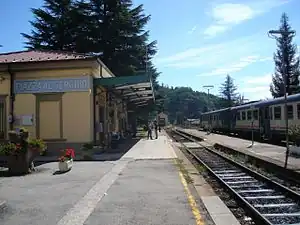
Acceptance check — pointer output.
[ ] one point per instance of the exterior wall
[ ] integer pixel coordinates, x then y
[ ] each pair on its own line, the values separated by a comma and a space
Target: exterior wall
76, 110
76, 107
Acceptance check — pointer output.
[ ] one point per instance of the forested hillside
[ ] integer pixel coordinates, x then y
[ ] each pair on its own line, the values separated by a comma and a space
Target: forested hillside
182, 102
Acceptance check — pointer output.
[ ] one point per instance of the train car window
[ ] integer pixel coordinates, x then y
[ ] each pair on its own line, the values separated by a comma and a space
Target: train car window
277, 113
271, 113
298, 110
243, 115
255, 114
290, 111
249, 115
238, 116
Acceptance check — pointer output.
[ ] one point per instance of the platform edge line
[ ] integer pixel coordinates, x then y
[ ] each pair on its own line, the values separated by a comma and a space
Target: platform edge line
191, 200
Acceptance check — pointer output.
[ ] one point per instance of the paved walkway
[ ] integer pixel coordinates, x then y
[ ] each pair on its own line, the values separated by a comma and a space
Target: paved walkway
262, 150
136, 189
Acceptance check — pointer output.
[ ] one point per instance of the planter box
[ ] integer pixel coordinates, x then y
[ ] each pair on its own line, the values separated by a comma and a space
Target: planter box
65, 166
21, 164
294, 150
18, 164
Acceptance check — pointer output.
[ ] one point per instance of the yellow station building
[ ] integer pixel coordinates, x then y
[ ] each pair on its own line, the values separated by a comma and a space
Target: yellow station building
66, 99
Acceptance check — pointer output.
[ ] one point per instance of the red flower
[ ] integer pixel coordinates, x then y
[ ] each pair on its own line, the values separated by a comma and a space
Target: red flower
67, 153
70, 153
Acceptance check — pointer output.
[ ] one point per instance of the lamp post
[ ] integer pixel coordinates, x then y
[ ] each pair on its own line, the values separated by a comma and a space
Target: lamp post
273, 34
208, 87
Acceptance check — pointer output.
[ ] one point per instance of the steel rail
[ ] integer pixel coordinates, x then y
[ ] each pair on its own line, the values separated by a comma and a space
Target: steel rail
254, 212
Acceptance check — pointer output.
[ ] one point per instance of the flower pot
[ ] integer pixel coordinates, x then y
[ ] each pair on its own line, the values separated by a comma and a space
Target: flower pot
65, 166
18, 164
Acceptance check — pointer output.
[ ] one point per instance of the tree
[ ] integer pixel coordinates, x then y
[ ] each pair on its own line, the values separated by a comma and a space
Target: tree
228, 91
113, 30
240, 99
53, 26
286, 63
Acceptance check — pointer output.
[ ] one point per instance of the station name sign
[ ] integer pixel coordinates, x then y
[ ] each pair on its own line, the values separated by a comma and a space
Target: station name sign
53, 85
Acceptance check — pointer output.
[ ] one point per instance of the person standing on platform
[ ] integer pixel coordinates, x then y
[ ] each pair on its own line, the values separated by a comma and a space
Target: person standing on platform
149, 130
155, 129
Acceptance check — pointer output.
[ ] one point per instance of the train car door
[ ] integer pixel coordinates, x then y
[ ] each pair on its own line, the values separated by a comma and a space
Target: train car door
264, 118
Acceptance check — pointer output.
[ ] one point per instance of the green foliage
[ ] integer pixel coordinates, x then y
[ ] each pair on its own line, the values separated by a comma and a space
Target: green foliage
38, 144
11, 149
181, 103
294, 134
228, 91
113, 30
286, 63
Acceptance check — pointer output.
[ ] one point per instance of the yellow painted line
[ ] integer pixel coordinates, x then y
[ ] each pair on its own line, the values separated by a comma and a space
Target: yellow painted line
192, 202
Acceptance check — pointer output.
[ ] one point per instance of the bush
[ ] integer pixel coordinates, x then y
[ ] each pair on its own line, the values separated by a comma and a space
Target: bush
294, 134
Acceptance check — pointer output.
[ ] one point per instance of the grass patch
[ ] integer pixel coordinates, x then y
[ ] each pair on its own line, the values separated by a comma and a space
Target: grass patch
200, 168
185, 173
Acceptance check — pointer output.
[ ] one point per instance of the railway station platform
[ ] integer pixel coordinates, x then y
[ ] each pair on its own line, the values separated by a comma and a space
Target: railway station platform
144, 186
264, 151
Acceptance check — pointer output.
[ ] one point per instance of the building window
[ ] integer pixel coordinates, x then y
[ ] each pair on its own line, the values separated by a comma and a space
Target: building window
249, 115
238, 116
255, 114
243, 115
271, 113
277, 113
290, 112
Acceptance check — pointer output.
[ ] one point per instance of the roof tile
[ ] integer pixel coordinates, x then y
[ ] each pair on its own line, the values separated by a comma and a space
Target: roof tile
40, 56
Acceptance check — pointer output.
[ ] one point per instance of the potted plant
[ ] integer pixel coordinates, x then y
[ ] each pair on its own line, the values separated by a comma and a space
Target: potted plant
294, 136
16, 158
21, 151
66, 160
87, 150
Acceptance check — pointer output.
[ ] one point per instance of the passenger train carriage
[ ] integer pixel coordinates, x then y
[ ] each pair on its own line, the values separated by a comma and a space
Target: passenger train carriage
267, 117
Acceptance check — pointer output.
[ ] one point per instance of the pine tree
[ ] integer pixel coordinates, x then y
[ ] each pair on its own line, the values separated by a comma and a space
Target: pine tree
286, 63
228, 91
123, 42
52, 27
112, 29
240, 99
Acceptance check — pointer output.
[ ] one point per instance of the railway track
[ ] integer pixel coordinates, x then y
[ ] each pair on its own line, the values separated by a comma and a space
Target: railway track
267, 201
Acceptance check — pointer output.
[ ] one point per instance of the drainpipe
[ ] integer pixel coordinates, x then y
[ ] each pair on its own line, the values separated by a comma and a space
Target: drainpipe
11, 98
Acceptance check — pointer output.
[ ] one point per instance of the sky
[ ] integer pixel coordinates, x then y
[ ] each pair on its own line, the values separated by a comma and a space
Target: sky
199, 41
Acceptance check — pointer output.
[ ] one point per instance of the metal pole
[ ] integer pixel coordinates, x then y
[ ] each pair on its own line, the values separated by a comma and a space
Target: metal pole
252, 128
286, 120
207, 99
146, 60
208, 87
272, 33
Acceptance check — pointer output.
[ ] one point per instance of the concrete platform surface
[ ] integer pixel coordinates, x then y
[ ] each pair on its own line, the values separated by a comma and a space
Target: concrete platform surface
152, 149
263, 150
126, 191
147, 192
